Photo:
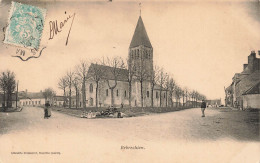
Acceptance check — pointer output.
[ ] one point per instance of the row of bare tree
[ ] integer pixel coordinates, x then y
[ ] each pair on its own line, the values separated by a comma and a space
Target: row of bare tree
173, 90
74, 82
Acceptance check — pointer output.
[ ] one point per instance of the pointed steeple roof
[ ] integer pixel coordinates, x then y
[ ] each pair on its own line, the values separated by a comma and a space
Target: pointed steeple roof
140, 36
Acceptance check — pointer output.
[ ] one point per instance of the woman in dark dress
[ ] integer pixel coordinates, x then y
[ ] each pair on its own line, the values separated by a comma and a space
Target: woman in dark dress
47, 112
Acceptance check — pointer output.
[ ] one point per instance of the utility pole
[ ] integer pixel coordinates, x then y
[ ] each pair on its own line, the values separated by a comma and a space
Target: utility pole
17, 93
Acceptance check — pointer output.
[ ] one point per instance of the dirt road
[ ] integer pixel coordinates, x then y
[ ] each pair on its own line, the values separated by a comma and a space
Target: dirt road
183, 136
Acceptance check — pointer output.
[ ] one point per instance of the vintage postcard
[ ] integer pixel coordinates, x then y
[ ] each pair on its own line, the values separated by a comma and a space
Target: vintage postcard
130, 81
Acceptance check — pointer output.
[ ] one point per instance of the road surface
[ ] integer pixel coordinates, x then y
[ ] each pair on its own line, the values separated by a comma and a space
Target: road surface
183, 136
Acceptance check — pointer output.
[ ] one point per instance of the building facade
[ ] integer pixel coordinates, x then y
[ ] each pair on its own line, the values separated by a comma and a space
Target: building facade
238, 94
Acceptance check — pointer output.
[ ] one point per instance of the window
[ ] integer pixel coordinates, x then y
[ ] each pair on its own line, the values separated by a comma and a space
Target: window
106, 92
39, 102
117, 93
91, 88
125, 93
35, 102
164, 95
147, 93
157, 95
26, 102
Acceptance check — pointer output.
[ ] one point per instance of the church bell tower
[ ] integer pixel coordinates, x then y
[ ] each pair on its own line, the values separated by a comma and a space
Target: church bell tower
141, 51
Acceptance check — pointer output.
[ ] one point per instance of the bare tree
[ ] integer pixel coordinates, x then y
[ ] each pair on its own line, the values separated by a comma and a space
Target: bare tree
115, 65
162, 80
178, 92
154, 81
96, 73
63, 84
7, 84
76, 84
166, 86
70, 76
193, 96
171, 89
48, 94
183, 96
82, 70
131, 67
141, 75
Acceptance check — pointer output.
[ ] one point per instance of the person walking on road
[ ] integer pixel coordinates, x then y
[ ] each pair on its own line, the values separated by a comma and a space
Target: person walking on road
203, 107
47, 110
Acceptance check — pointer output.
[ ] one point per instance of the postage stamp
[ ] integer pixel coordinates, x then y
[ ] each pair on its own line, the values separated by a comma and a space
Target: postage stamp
25, 26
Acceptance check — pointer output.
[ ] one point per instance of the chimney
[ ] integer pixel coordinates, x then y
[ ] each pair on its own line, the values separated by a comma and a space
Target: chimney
253, 53
245, 65
251, 59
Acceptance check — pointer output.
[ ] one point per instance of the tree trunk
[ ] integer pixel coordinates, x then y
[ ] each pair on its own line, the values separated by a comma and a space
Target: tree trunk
64, 98
97, 93
142, 96
171, 102
160, 97
9, 99
183, 101
70, 97
112, 96
76, 98
4, 101
130, 94
166, 98
84, 93
152, 95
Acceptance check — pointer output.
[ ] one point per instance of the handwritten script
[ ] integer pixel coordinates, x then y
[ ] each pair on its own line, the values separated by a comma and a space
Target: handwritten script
56, 27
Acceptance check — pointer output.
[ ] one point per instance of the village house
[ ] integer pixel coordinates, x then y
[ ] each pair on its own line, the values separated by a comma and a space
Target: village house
59, 101
244, 89
31, 98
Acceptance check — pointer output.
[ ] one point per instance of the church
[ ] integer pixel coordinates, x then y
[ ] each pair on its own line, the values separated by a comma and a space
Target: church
132, 86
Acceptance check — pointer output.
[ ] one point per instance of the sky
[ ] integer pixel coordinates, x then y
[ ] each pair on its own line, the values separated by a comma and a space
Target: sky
202, 44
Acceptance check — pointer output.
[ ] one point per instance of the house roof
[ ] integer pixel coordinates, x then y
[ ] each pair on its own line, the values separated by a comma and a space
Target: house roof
107, 72
140, 36
254, 89
59, 98
229, 88
248, 82
246, 71
32, 95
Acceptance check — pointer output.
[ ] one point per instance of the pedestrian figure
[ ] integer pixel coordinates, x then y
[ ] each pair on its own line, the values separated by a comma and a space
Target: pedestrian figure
47, 110
203, 107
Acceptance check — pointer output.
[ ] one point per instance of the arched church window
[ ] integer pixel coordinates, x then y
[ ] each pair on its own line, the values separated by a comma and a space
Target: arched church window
147, 93
106, 92
125, 93
91, 88
117, 92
